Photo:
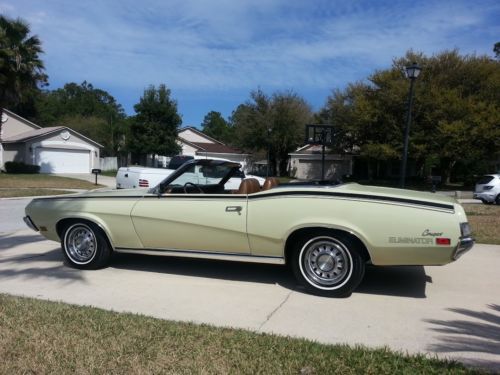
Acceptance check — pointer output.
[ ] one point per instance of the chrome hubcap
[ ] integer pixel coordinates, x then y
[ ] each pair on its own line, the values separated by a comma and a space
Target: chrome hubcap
326, 262
80, 244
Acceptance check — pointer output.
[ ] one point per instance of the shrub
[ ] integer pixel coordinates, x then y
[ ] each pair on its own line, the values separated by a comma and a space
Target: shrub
20, 167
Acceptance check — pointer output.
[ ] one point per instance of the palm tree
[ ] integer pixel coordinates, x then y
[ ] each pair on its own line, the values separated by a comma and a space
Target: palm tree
21, 69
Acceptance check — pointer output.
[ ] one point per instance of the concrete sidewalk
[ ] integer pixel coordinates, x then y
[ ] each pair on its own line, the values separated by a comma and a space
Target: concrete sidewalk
102, 180
451, 311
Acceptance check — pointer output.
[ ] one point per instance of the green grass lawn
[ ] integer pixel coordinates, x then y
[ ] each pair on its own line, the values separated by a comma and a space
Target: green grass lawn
48, 337
485, 222
15, 181
111, 173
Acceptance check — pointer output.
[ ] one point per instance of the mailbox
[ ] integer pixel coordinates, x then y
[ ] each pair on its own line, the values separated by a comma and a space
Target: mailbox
96, 171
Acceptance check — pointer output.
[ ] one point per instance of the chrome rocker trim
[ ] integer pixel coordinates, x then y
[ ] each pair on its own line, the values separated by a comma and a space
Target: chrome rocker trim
205, 255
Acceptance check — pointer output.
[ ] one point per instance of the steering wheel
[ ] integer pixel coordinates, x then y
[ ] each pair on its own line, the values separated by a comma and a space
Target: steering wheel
191, 184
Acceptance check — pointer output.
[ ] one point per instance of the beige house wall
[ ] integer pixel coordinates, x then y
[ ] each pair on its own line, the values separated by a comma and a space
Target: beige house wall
187, 149
13, 152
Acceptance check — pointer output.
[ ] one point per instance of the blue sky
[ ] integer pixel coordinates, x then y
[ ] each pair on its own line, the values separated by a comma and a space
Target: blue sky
211, 54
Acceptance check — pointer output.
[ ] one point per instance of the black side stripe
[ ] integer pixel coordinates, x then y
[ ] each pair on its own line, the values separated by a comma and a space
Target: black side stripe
356, 196
274, 194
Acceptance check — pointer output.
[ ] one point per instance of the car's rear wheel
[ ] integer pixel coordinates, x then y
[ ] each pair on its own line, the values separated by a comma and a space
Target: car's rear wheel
328, 264
497, 200
85, 246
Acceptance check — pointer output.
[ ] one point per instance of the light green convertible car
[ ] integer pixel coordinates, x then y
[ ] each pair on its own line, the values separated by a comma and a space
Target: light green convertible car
326, 233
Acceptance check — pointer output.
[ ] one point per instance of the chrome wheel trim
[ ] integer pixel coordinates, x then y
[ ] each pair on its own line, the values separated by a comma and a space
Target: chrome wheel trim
80, 244
325, 263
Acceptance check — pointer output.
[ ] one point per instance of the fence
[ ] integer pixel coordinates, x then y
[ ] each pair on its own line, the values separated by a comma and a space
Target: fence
108, 164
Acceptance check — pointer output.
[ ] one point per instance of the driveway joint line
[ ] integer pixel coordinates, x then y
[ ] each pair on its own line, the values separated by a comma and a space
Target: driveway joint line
269, 316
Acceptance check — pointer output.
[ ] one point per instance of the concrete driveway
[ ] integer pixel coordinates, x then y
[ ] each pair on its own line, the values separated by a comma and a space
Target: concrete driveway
451, 311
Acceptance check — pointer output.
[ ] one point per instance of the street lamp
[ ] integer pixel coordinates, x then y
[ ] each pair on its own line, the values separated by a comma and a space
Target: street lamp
412, 72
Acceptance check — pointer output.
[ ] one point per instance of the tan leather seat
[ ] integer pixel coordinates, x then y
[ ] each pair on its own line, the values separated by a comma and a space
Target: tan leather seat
270, 182
249, 186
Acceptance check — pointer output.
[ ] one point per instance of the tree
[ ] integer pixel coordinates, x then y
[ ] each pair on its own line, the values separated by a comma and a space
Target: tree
275, 123
21, 69
155, 126
86, 109
215, 126
496, 49
455, 115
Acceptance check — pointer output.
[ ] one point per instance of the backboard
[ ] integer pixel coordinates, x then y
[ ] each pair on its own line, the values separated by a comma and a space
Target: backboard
319, 134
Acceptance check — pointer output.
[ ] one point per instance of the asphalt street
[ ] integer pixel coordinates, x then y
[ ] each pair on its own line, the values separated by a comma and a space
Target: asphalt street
451, 311
12, 213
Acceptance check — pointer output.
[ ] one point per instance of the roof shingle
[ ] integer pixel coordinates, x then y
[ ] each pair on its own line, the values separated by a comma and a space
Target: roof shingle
31, 134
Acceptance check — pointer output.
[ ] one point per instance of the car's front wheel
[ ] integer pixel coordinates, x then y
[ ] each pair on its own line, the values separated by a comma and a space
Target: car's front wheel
328, 264
85, 246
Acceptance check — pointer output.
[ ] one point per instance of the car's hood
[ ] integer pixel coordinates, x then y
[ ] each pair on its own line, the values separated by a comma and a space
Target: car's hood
396, 193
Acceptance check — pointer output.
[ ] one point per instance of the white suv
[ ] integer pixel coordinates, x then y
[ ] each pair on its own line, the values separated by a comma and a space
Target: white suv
488, 189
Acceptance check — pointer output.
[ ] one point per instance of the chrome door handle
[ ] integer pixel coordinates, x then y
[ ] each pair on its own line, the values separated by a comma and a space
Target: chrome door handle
234, 209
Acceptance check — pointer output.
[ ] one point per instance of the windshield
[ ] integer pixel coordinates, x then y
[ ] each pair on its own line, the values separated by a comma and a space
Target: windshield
202, 175
485, 180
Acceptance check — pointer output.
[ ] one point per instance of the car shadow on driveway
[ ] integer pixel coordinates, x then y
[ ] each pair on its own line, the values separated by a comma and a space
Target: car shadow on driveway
390, 281
10, 240
476, 331
53, 267
401, 281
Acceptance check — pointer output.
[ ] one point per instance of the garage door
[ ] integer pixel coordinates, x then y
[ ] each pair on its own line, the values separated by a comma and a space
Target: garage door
58, 160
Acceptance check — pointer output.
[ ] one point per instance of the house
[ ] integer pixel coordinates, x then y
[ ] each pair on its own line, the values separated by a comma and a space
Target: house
56, 149
196, 143
305, 163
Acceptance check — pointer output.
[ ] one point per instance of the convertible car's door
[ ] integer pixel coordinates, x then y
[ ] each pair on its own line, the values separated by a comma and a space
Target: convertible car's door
198, 222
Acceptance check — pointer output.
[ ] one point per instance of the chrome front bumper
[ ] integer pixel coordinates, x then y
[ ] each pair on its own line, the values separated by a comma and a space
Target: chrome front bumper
30, 223
464, 245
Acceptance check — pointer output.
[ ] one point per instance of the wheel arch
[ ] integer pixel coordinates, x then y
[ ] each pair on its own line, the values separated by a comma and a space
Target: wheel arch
62, 224
299, 233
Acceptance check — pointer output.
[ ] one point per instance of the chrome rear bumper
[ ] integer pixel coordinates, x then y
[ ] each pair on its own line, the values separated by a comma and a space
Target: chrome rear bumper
464, 245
